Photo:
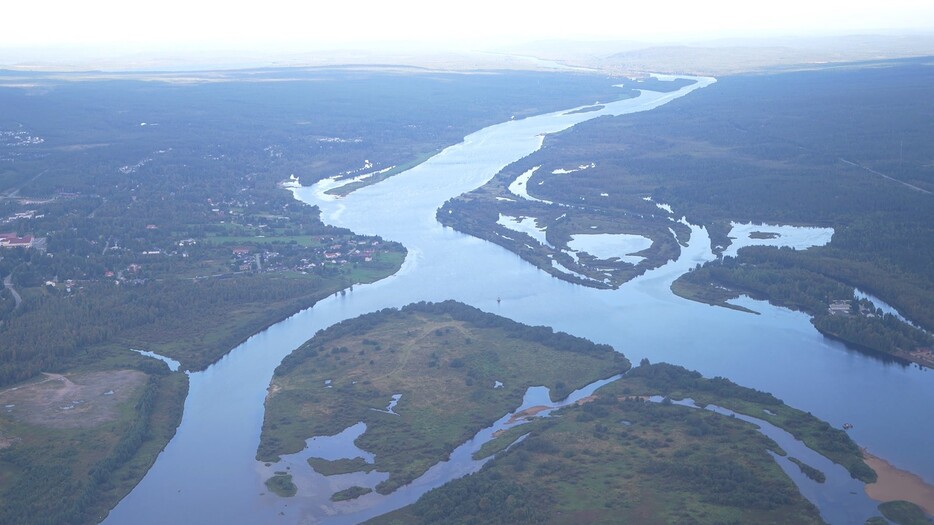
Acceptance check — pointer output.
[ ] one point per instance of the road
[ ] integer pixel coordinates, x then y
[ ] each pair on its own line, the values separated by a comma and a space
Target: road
884, 176
8, 282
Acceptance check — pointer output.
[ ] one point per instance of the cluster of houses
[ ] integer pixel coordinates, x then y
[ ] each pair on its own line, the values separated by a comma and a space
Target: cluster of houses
352, 251
840, 307
335, 254
923, 356
68, 285
846, 307
28, 214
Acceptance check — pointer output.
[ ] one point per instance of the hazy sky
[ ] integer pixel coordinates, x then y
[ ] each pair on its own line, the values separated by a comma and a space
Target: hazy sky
476, 24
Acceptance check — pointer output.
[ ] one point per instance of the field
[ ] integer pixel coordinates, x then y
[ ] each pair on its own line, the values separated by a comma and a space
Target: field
610, 457
620, 459
72, 444
443, 360
165, 227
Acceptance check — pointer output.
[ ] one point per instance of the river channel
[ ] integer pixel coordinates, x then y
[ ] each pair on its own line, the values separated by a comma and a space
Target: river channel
208, 472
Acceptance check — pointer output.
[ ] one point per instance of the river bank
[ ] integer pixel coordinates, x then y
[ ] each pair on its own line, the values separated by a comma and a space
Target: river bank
895, 484
224, 414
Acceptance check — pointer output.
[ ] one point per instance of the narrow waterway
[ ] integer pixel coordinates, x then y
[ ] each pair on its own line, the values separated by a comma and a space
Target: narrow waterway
208, 473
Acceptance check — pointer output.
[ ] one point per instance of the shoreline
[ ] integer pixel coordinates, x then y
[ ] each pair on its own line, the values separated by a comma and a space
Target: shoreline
896, 484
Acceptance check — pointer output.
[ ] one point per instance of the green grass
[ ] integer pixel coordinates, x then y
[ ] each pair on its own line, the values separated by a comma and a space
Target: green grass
351, 493
347, 189
716, 296
377, 269
477, 212
339, 466
444, 369
49, 472
281, 485
670, 464
678, 383
904, 513
809, 471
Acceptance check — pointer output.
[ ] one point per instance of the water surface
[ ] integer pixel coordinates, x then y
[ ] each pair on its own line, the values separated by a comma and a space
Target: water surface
208, 473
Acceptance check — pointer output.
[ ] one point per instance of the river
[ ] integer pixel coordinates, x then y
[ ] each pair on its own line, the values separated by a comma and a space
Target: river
208, 474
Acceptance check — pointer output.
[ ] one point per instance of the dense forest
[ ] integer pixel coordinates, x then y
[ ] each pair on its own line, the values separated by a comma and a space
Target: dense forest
781, 148
777, 275
845, 147
159, 206
158, 220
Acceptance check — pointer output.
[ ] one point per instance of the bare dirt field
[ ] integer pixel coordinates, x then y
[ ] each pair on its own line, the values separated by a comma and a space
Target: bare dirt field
73, 400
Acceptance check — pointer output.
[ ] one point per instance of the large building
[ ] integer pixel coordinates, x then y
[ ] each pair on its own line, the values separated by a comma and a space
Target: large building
11, 240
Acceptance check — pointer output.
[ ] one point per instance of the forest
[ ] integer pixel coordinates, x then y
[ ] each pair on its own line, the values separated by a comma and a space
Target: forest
776, 275
161, 223
161, 204
73, 474
846, 148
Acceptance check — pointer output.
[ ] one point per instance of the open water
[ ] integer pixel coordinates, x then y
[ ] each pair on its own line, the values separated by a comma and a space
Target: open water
208, 472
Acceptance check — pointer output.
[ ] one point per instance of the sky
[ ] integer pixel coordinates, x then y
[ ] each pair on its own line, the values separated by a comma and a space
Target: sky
479, 24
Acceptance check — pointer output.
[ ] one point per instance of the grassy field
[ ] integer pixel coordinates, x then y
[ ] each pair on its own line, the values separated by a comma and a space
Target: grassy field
612, 458
443, 364
673, 381
351, 493
904, 513
706, 293
619, 459
347, 189
73, 445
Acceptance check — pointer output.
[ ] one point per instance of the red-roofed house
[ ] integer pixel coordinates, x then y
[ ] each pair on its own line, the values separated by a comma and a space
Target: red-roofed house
11, 240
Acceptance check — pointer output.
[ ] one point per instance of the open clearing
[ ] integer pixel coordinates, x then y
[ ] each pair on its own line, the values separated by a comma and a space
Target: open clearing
71, 401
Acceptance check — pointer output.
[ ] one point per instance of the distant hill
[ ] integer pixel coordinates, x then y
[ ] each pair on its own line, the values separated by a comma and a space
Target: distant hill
734, 56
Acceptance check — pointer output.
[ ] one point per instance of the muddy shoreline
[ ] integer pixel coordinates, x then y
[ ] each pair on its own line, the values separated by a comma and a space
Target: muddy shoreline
897, 484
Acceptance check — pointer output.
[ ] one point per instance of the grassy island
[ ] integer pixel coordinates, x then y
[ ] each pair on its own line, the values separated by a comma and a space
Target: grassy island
442, 360
611, 457
904, 513
621, 459
281, 484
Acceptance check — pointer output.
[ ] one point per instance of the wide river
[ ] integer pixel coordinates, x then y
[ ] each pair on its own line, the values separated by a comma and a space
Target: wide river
208, 472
